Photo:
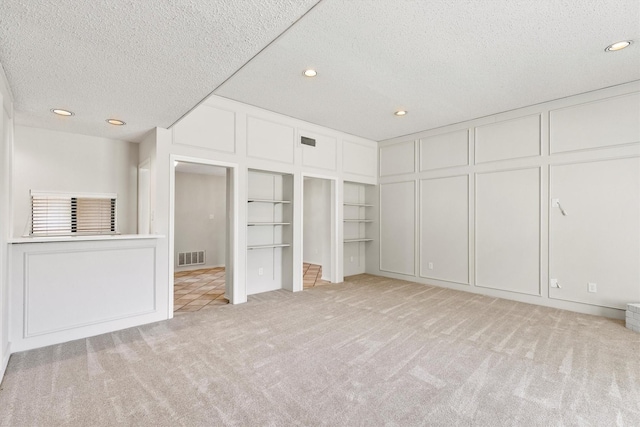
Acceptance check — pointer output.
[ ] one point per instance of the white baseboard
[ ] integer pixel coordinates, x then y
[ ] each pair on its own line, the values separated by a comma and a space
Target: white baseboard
5, 361
196, 267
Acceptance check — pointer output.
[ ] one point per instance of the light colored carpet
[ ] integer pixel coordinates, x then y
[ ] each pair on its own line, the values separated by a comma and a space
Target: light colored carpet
369, 352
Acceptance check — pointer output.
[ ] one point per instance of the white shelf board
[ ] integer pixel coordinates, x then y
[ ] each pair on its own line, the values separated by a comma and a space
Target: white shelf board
267, 201
275, 245
357, 240
361, 205
251, 224
358, 220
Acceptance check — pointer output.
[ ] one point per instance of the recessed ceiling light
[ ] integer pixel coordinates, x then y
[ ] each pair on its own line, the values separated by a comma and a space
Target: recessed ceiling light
116, 122
310, 73
61, 112
401, 113
618, 46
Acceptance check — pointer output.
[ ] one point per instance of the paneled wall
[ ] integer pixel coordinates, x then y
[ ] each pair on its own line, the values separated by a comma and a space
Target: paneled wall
511, 204
249, 140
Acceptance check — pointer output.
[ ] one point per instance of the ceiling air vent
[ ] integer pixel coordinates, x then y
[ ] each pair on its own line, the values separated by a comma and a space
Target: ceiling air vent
307, 141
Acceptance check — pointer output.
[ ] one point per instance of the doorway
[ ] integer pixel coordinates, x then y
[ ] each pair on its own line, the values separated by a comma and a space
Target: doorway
317, 232
201, 236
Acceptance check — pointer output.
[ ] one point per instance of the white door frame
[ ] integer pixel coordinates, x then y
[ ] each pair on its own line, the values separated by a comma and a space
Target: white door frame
235, 291
335, 212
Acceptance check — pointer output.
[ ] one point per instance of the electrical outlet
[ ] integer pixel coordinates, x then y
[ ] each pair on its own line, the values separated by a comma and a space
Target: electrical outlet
212, 216
554, 283
350, 259
593, 287
430, 266
260, 271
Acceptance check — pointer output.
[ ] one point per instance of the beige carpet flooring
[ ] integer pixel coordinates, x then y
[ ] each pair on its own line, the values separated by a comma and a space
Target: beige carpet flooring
369, 352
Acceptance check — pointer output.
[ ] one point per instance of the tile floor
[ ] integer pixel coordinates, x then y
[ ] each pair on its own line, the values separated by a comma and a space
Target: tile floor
194, 290
312, 276
197, 289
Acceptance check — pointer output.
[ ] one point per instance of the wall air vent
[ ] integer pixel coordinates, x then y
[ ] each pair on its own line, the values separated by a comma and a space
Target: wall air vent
307, 141
191, 258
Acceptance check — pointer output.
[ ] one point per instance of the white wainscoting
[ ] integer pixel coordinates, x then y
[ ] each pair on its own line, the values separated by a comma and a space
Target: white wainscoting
68, 290
398, 227
603, 192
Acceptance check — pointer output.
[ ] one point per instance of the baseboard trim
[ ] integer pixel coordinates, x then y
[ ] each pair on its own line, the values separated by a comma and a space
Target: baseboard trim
196, 267
5, 361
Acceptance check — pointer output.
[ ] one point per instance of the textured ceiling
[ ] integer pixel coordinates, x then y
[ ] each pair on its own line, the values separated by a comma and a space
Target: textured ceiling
443, 61
145, 62
150, 62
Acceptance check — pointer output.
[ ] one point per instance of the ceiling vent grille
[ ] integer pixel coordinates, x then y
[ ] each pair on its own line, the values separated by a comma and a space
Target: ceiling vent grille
307, 141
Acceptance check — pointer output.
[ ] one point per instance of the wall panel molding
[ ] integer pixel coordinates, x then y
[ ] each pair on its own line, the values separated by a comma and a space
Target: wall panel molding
507, 230
398, 227
269, 140
397, 159
509, 139
207, 127
596, 124
73, 289
444, 151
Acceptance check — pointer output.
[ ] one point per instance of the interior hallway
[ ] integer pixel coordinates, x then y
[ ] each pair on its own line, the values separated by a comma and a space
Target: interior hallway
197, 289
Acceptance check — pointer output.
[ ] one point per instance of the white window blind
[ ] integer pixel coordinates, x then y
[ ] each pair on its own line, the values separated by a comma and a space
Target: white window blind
68, 214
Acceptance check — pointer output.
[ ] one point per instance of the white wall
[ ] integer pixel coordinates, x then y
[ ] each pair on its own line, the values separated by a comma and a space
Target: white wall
46, 160
243, 138
6, 145
317, 220
198, 197
477, 196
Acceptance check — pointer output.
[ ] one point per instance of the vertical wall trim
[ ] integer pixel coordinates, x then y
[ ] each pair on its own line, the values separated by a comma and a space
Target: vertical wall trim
471, 190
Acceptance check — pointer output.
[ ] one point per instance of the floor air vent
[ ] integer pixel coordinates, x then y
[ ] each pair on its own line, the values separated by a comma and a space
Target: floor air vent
191, 258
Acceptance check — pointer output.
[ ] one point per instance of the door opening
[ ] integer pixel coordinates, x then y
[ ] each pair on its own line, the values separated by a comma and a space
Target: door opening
201, 236
317, 232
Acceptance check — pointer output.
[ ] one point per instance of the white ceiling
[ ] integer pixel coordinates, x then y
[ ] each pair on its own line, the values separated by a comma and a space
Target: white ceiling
443, 61
150, 62
145, 62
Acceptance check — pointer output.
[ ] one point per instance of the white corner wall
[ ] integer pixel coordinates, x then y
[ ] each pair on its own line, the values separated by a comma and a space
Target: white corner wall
6, 147
200, 216
478, 196
46, 160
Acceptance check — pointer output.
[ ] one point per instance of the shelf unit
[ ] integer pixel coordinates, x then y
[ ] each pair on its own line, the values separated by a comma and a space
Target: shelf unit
269, 231
280, 245
358, 226
276, 202
357, 240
